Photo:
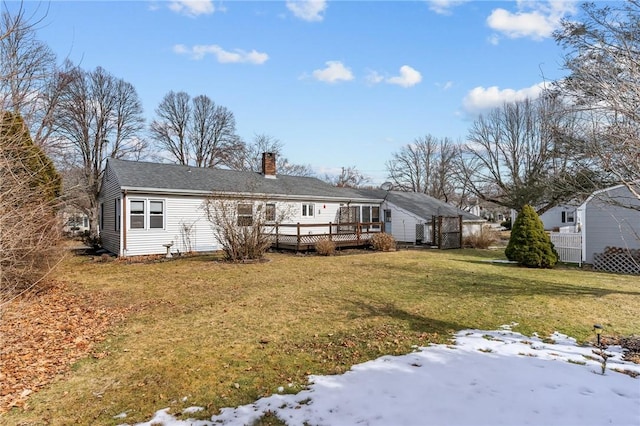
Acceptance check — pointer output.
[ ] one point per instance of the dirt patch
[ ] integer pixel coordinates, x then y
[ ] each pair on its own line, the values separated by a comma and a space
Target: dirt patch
43, 334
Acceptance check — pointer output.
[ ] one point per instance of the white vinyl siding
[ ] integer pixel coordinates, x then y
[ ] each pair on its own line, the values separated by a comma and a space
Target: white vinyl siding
609, 225
110, 195
185, 225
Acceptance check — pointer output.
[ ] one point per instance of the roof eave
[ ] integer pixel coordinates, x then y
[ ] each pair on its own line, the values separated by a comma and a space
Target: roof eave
297, 197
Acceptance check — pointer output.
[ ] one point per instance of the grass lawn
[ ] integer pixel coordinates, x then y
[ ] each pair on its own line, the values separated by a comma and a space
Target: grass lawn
212, 334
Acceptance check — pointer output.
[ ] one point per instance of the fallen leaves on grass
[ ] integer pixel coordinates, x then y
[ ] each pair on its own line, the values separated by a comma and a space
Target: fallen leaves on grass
43, 334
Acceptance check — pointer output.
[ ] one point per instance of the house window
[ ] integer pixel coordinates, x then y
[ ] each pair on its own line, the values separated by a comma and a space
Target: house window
156, 214
101, 216
366, 214
270, 212
117, 214
245, 214
387, 215
307, 210
136, 214
568, 217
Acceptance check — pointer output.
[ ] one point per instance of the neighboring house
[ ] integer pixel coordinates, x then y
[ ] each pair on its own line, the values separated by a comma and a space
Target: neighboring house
408, 216
145, 207
74, 222
609, 218
562, 218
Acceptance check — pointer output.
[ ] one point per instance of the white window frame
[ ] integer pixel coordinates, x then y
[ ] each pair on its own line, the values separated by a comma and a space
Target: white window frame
308, 210
155, 215
244, 218
146, 214
270, 212
137, 215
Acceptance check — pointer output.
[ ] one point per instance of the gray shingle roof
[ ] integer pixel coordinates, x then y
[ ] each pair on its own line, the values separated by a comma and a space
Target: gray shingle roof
176, 178
420, 204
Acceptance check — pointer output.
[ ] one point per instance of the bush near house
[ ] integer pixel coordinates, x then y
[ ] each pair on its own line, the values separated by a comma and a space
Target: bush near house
529, 245
325, 247
383, 242
483, 239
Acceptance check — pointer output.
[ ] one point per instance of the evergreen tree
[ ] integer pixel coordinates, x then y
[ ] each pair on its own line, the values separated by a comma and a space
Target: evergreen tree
17, 146
529, 245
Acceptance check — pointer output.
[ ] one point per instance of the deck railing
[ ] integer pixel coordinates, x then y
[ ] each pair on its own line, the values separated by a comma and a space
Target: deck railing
304, 236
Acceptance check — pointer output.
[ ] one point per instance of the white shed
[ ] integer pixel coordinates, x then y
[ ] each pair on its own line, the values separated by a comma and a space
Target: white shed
610, 218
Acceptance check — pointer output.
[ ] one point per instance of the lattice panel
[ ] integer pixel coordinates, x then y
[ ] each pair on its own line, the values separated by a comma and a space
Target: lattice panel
618, 260
449, 232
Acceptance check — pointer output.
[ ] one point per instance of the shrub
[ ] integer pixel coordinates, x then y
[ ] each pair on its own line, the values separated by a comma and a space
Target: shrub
326, 247
383, 242
529, 245
483, 239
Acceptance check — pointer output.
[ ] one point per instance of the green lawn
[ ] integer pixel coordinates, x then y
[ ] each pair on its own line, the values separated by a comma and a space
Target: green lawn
213, 334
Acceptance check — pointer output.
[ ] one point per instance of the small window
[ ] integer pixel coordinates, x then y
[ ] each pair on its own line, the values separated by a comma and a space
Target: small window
101, 217
307, 210
270, 213
156, 214
137, 214
387, 215
570, 218
245, 214
117, 214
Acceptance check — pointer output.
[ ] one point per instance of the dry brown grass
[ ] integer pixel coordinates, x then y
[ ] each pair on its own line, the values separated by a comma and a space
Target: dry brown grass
215, 334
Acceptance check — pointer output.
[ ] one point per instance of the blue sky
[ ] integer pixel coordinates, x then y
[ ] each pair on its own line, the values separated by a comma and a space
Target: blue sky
339, 83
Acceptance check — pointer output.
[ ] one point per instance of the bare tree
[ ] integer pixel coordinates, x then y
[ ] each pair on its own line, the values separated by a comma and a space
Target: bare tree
603, 87
248, 157
195, 131
349, 177
99, 116
27, 75
170, 129
244, 226
425, 166
514, 156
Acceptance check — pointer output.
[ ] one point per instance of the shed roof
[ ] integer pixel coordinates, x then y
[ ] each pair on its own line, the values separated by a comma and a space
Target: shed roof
138, 175
420, 204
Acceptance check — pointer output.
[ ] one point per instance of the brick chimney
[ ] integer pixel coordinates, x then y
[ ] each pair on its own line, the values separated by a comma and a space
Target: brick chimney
269, 164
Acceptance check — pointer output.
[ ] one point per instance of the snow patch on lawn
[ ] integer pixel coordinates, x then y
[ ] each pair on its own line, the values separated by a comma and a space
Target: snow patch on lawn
486, 378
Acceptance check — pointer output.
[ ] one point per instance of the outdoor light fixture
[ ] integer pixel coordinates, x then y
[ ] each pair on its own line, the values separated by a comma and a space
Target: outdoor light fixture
598, 329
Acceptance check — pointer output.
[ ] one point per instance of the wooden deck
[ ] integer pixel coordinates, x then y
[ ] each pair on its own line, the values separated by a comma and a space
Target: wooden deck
303, 237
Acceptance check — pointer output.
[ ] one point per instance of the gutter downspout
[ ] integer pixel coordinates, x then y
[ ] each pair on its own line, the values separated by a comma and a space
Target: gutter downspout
123, 219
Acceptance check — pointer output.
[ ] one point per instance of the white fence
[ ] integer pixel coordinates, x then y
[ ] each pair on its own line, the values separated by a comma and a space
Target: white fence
568, 245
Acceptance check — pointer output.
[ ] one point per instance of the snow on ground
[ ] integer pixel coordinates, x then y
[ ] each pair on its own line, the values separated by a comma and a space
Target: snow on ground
486, 378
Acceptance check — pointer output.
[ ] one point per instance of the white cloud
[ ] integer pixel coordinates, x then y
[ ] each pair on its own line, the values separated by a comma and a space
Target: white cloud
308, 10
373, 77
408, 77
335, 71
534, 19
199, 51
481, 99
192, 7
443, 7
